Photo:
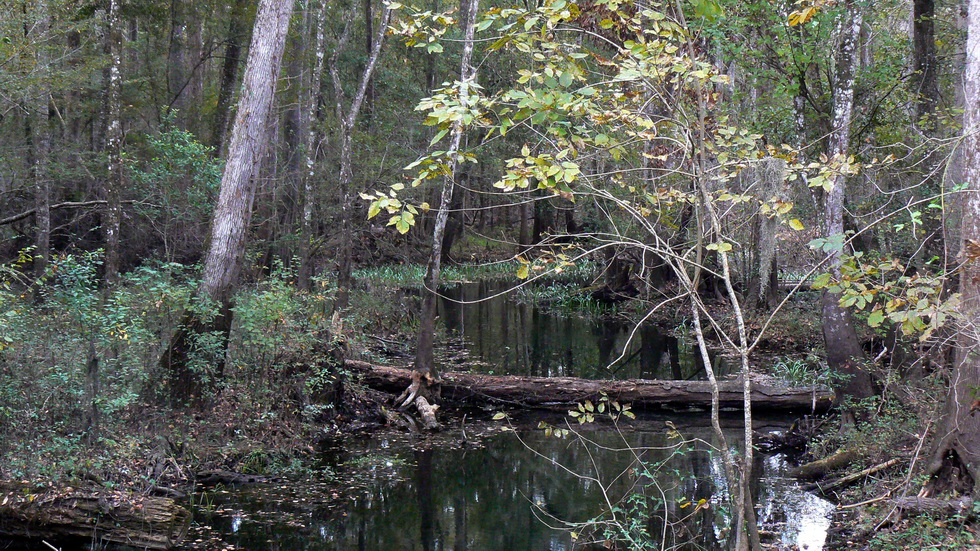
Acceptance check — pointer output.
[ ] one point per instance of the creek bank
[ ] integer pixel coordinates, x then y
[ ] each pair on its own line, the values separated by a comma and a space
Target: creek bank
560, 393
76, 514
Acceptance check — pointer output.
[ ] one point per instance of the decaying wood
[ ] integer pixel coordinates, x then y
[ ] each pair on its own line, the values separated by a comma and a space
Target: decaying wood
819, 468
57, 514
926, 505
213, 478
844, 481
559, 393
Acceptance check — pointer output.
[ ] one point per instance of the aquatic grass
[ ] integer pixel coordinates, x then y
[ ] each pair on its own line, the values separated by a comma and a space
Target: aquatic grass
411, 275
564, 297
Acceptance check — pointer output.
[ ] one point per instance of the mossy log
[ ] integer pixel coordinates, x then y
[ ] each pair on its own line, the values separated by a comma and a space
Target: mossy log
62, 514
820, 468
558, 393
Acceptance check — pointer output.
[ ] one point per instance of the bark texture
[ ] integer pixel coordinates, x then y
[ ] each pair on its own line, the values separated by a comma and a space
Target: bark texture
844, 352
233, 212
113, 146
94, 516
926, 80
956, 460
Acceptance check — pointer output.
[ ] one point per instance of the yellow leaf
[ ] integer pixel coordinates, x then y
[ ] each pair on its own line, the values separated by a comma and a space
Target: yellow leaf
796, 224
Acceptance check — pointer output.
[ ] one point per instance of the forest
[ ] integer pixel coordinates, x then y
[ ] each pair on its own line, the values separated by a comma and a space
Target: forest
365, 274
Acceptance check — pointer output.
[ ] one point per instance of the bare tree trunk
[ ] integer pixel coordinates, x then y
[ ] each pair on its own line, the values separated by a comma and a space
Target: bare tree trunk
926, 79
233, 212
425, 367
113, 145
229, 74
39, 148
956, 460
844, 352
310, 150
176, 58
347, 120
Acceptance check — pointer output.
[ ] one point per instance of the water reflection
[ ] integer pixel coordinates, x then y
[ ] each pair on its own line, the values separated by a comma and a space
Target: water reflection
524, 339
531, 492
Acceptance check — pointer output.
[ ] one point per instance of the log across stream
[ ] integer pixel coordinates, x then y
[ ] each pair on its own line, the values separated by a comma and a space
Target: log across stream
559, 393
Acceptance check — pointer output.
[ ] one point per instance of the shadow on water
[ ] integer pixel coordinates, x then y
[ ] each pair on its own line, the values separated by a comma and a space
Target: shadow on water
524, 339
527, 490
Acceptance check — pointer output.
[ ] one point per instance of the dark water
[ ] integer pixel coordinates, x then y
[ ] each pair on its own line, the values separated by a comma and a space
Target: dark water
525, 339
522, 491
477, 488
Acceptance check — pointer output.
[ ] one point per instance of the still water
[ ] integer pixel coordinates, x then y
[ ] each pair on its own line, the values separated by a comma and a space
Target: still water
503, 491
506, 337
476, 487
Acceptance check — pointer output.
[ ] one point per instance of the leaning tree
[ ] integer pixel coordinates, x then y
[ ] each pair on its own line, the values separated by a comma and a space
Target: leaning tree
233, 212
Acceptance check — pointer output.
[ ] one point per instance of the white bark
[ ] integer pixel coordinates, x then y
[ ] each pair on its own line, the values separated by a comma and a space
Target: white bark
311, 146
249, 136
114, 138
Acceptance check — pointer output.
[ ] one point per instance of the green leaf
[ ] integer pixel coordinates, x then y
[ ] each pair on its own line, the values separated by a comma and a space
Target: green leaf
499, 415
439, 135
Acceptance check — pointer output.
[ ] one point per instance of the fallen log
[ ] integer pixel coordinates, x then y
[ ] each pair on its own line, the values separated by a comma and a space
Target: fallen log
911, 506
228, 478
559, 393
819, 468
97, 515
826, 487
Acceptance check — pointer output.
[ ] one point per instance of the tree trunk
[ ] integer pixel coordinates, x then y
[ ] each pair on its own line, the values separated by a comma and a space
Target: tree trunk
229, 74
956, 460
926, 79
310, 150
844, 352
424, 355
39, 136
113, 146
233, 212
558, 393
347, 120
176, 59
93, 517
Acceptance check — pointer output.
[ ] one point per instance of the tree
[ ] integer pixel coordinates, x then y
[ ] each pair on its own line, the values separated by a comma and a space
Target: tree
346, 119
114, 139
233, 212
844, 352
426, 379
955, 462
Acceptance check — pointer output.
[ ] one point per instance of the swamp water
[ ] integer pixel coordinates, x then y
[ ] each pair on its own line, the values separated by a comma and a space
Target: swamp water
480, 487
502, 490
506, 337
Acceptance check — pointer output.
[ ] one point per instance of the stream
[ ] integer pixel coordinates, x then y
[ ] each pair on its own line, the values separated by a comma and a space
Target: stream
502, 490
506, 337
507, 485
